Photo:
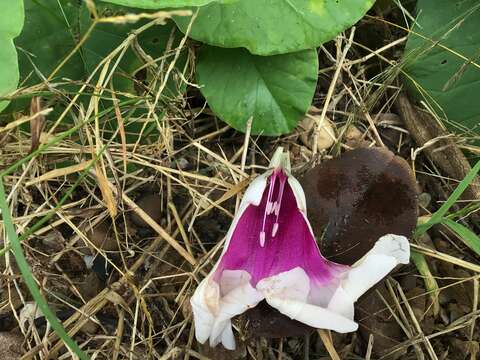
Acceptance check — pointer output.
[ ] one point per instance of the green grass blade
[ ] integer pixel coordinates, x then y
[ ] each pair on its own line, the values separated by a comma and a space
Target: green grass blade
468, 237
431, 284
438, 216
56, 140
29, 279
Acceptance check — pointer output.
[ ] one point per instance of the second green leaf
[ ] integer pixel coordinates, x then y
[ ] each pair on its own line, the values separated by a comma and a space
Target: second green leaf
275, 91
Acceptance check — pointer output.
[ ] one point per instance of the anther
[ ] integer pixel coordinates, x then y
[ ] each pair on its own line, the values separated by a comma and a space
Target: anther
275, 229
262, 238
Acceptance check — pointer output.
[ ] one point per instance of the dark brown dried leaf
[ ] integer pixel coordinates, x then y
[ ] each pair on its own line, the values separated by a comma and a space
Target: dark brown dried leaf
355, 199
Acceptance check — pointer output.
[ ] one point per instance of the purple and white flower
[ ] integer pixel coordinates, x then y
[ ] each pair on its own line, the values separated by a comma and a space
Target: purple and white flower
271, 254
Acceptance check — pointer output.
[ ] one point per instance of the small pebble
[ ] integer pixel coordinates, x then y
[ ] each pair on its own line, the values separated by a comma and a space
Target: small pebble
326, 136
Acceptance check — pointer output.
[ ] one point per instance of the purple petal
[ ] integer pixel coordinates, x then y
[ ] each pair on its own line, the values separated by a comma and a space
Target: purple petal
275, 237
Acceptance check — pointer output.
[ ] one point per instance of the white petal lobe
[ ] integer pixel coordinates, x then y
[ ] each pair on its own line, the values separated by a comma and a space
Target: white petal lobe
299, 194
388, 252
254, 192
312, 315
214, 305
342, 303
292, 284
228, 340
288, 293
202, 314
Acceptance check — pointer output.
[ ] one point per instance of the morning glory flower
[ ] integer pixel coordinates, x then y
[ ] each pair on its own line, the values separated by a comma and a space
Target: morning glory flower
271, 254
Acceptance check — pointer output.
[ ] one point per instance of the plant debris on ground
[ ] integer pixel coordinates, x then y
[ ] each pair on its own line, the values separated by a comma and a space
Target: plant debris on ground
121, 202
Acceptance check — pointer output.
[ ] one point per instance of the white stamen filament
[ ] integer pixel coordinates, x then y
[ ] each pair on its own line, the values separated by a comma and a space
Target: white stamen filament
267, 208
272, 207
272, 210
277, 209
279, 201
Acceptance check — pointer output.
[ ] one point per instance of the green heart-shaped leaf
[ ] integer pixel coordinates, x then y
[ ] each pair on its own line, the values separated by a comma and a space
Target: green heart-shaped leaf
442, 63
11, 23
162, 4
276, 91
53, 29
274, 26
